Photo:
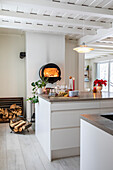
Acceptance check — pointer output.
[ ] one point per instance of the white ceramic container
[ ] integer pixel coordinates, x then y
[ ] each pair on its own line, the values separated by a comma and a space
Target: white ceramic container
73, 93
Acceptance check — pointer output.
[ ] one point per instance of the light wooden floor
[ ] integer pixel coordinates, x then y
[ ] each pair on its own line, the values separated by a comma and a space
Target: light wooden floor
23, 152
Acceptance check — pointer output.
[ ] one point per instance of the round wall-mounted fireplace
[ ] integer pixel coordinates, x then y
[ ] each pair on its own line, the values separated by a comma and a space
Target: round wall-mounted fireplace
52, 71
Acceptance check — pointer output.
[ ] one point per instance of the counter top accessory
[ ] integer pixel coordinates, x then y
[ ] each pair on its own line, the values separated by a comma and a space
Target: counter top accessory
73, 93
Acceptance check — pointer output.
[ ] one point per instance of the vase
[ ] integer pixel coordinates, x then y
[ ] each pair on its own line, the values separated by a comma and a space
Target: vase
40, 90
99, 88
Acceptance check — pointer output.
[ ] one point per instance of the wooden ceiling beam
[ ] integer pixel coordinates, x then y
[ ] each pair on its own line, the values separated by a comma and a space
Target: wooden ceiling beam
101, 34
53, 20
43, 28
60, 7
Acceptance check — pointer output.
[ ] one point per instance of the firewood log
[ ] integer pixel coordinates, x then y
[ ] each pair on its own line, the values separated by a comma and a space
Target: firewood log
11, 122
10, 117
14, 116
16, 119
10, 114
18, 107
23, 127
16, 123
19, 125
20, 129
15, 130
3, 111
13, 106
14, 112
27, 126
6, 113
19, 113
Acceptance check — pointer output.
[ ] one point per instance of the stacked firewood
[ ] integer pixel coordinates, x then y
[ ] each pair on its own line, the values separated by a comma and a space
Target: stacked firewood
10, 113
4, 113
19, 125
16, 110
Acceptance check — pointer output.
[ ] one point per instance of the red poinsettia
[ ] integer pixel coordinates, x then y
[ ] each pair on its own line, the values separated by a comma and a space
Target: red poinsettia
100, 82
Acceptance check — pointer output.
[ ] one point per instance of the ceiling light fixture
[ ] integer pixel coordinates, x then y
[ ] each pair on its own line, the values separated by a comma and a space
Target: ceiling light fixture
83, 48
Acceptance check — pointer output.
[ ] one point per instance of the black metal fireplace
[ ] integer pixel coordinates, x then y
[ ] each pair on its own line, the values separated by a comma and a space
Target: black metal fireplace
52, 71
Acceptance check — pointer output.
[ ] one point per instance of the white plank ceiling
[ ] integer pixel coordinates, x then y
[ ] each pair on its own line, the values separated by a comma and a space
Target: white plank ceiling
68, 17
89, 20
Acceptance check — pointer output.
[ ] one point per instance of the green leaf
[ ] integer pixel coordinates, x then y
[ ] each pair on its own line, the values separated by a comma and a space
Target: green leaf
35, 100
39, 81
33, 84
34, 88
39, 86
30, 98
36, 83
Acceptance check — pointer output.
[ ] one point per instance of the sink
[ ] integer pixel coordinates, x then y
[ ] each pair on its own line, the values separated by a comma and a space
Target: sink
110, 116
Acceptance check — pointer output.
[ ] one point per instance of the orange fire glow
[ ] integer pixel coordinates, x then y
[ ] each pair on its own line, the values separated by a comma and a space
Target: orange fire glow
51, 72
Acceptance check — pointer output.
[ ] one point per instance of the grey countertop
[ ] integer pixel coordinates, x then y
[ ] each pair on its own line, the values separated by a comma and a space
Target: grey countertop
99, 121
82, 96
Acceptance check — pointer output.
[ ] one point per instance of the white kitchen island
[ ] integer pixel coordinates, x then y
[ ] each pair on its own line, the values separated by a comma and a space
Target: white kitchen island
96, 151
58, 121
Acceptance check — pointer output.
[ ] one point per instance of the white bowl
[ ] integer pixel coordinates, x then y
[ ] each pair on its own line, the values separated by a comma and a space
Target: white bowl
73, 93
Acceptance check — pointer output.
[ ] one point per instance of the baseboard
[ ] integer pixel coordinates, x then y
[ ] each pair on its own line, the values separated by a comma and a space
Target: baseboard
63, 153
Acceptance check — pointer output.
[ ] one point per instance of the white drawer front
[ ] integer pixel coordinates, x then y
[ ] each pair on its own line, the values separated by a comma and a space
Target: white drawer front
75, 105
106, 104
65, 138
63, 119
108, 110
69, 118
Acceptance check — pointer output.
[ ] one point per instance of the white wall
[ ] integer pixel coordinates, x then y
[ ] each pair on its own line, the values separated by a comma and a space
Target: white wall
81, 64
12, 68
42, 49
74, 65
71, 62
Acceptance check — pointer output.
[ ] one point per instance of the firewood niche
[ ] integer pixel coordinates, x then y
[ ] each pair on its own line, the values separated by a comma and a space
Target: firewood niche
7, 114
9, 107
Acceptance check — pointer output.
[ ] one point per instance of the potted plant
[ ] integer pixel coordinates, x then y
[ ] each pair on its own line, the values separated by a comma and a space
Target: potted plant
99, 84
34, 99
37, 88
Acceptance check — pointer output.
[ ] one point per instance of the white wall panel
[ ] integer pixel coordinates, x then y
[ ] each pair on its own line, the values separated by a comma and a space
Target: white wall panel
12, 68
42, 49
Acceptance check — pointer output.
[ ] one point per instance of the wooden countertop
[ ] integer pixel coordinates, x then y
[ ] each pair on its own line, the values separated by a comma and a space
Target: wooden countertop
82, 97
99, 121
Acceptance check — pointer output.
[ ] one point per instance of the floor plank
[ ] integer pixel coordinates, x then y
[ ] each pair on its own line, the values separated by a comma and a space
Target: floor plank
3, 150
31, 157
2, 129
15, 160
14, 154
72, 163
55, 165
23, 152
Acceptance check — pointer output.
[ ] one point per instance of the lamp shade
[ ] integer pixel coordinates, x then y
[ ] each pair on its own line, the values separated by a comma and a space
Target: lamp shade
83, 49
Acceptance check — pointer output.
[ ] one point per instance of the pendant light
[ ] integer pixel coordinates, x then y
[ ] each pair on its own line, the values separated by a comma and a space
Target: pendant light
83, 48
